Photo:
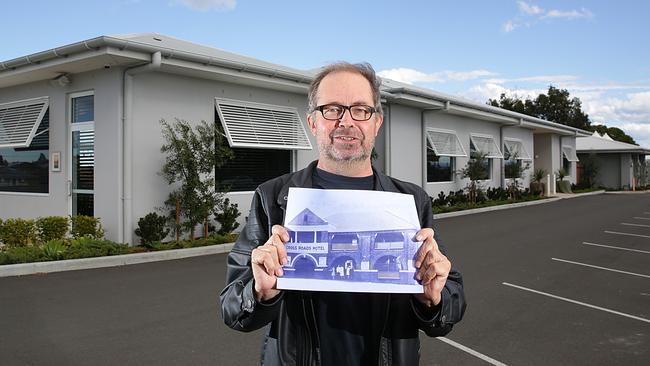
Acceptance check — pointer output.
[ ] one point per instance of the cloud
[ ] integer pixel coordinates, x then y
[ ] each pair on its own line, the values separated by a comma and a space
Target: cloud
632, 108
526, 8
411, 76
546, 79
570, 14
530, 14
207, 5
509, 26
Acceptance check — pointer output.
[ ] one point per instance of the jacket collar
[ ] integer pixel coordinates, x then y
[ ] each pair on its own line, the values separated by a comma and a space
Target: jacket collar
302, 178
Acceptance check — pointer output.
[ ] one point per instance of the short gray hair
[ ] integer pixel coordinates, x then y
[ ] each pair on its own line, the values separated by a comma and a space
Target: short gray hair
364, 69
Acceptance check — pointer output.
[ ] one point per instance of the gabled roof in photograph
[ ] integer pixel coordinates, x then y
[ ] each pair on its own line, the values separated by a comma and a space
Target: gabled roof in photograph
597, 143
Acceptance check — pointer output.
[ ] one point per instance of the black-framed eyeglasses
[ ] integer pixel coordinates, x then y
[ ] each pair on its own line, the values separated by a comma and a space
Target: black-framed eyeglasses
335, 112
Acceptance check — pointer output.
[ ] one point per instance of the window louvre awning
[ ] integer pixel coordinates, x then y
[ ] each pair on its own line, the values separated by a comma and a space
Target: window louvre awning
486, 145
445, 143
516, 148
256, 125
569, 153
20, 120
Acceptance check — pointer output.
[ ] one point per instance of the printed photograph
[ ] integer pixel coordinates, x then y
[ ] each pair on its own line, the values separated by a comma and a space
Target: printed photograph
350, 241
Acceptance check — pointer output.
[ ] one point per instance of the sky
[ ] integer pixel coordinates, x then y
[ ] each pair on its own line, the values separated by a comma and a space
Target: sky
598, 50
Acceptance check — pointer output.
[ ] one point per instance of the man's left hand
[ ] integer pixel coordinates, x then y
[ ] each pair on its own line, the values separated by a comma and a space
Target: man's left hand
433, 268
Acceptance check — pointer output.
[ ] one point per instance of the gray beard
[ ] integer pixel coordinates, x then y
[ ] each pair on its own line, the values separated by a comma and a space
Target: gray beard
332, 155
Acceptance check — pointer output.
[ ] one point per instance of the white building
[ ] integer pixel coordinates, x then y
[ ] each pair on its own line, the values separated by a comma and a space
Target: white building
94, 107
620, 165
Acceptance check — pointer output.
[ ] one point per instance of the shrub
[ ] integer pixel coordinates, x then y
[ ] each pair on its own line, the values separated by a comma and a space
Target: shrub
22, 255
54, 250
166, 246
497, 194
86, 247
52, 228
18, 232
87, 226
441, 200
456, 198
228, 218
151, 228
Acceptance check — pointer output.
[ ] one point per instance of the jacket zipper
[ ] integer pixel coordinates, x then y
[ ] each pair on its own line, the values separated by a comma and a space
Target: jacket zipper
315, 323
312, 332
383, 329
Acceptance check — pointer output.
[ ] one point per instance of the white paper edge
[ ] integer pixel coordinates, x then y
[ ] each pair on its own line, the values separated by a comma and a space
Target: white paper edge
346, 286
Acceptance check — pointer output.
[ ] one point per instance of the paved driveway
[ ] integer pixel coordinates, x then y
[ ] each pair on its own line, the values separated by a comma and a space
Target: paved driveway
555, 284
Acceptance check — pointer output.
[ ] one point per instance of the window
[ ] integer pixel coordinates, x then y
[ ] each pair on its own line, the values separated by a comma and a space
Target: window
257, 125
486, 162
24, 146
345, 242
486, 146
568, 157
262, 138
566, 165
439, 168
83, 108
19, 121
569, 153
252, 167
305, 236
513, 154
391, 240
442, 148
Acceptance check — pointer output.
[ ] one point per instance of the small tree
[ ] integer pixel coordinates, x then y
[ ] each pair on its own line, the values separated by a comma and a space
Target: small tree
537, 185
475, 170
515, 171
192, 154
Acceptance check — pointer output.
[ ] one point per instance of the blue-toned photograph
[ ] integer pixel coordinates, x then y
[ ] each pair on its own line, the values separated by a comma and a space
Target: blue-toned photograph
353, 241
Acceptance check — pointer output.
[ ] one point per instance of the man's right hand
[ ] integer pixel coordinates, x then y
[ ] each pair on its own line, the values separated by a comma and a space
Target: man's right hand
267, 261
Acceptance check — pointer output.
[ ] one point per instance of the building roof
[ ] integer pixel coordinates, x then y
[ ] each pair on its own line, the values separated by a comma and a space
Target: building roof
597, 143
183, 57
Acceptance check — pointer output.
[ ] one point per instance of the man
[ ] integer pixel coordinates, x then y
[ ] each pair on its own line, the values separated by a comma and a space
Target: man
329, 328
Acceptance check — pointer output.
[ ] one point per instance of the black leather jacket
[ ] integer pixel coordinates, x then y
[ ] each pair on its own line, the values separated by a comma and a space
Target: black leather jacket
292, 337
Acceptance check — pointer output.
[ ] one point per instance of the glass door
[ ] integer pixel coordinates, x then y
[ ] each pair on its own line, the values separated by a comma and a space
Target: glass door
82, 155
83, 172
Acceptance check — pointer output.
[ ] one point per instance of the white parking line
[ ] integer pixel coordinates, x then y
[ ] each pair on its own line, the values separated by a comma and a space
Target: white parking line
614, 247
578, 302
628, 234
641, 218
471, 351
603, 268
628, 224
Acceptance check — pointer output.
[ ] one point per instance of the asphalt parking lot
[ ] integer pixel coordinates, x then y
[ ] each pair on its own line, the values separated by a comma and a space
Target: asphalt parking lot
563, 283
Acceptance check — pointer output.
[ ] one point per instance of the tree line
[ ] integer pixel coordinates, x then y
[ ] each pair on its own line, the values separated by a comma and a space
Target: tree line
558, 106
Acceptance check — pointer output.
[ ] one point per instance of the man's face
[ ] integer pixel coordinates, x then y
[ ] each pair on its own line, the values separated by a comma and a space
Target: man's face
344, 139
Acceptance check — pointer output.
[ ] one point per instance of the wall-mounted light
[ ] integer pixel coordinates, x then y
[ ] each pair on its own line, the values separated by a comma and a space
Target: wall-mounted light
61, 80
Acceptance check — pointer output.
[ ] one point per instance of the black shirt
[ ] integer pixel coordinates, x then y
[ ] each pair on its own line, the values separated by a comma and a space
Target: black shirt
349, 337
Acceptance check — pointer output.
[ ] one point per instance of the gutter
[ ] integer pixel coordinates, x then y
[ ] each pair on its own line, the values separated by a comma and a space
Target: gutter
125, 231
